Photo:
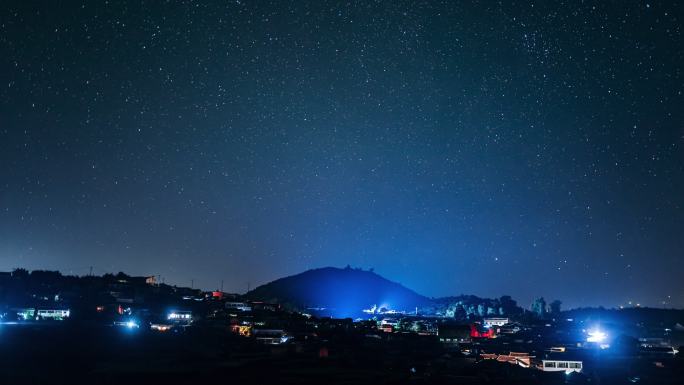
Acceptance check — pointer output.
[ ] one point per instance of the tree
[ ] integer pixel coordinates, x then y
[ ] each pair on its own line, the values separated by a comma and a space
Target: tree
20, 273
460, 312
508, 305
539, 307
471, 310
122, 276
555, 307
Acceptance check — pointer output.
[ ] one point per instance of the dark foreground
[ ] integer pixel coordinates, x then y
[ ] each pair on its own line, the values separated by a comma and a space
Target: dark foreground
60, 354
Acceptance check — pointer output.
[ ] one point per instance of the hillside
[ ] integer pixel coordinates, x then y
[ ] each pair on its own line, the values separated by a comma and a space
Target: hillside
338, 292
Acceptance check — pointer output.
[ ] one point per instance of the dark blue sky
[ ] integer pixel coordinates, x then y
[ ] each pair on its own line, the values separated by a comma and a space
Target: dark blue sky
522, 148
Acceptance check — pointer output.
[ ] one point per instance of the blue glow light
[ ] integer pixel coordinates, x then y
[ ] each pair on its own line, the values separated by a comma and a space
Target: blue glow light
132, 324
596, 335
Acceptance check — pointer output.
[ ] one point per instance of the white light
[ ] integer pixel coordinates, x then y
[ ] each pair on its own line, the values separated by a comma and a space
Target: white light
131, 325
596, 336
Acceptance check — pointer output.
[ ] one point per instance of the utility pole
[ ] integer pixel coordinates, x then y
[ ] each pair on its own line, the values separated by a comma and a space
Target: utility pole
221, 286
91, 271
192, 283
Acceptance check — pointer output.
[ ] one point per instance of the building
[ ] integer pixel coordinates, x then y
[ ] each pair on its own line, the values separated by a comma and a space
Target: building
241, 306
25, 314
242, 330
161, 327
144, 280
180, 317
514, 358
53, 314
270, 336
509, 328
453, 334
657, 351
477, 332
560, 365
388, 325
493, 322
31, 314
256, 305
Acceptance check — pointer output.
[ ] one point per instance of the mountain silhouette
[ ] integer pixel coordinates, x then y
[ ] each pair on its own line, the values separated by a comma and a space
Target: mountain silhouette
338, 292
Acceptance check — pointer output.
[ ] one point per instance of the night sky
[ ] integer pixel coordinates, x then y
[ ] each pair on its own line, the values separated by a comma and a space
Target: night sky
488, 148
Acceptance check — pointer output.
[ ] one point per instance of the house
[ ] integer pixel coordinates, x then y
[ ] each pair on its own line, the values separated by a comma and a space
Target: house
514, 358
143, 280
517, 358
509, 328
242, 306
257, 305
270, 336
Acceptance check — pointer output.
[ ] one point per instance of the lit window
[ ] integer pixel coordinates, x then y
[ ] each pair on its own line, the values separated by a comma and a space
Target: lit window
562, 364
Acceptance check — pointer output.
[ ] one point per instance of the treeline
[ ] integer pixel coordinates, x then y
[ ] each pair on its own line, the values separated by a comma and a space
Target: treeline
471, 307
465, 307
44, 288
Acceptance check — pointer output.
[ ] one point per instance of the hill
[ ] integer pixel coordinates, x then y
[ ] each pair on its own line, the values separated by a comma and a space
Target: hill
338, 292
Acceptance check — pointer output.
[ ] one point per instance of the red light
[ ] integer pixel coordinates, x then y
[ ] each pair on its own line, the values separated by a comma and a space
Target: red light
475, 333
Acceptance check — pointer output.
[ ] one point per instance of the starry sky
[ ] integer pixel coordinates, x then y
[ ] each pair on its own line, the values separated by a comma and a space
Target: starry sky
483, 147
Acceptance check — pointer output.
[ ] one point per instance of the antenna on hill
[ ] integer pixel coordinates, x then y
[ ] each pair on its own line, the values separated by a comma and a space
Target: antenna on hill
91, 271
221, 286
248, 286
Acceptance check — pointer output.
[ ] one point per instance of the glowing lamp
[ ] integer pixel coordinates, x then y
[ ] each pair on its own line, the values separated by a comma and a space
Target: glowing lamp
596, 336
